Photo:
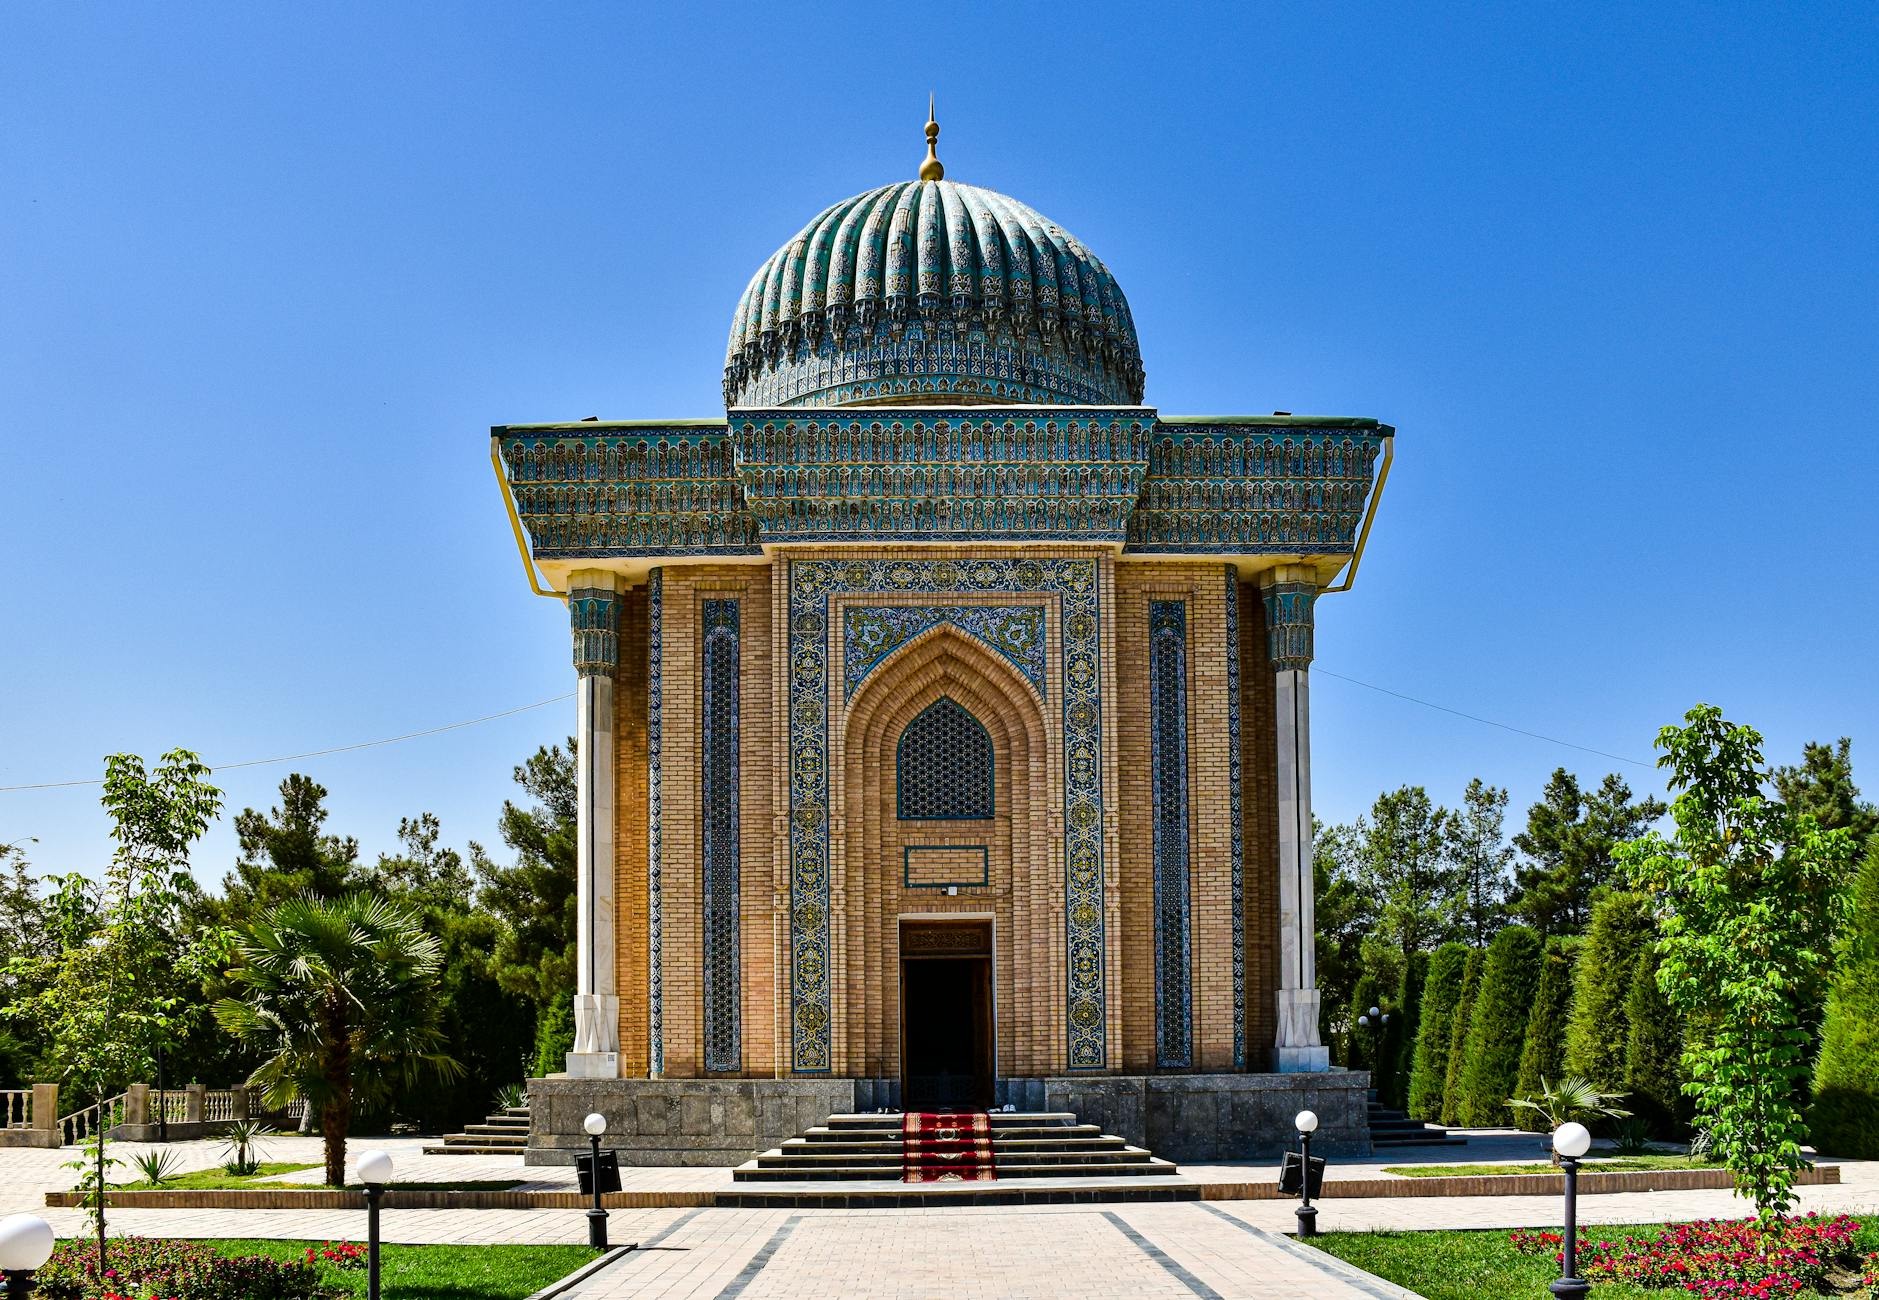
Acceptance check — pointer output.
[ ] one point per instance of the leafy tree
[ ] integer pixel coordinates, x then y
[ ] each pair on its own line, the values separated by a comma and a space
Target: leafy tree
1476, 842
1821, 785
490, 1028
1460, 1024
286, 853
341, 997
535, 899
26, 938
1498, 1031
1399, 858
108, 989
1569, 844
1543, 1056
1653, 1051
1844, 1119
1429, 1062
1622, 930
1345, 913
1750, 893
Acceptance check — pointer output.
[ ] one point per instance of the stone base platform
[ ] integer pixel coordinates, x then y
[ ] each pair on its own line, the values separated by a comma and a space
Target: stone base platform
1188, 1117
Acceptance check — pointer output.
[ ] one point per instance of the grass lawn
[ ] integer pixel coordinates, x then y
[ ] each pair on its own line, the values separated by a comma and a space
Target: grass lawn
1601, 1165
1483, 1266
220, 1180
440, 1272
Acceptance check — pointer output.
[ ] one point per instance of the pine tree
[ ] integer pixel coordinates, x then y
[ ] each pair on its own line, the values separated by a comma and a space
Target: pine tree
1844, 1120
1459, 1025
1543, 1056
1653, 1052
1428, 1069
1498, 1030
1622, 928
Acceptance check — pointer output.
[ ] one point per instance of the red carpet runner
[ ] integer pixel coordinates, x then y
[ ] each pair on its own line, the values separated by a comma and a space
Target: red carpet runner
946, 1147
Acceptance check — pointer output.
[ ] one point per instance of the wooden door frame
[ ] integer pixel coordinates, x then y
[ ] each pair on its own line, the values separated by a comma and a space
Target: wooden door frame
983, 948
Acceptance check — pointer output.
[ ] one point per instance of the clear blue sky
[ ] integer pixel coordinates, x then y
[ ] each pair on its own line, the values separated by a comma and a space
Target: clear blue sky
268, 273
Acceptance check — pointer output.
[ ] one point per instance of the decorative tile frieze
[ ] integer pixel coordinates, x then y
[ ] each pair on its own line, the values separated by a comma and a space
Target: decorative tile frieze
655, 834
1168, 773
1236, 834
1289, 624
593, 613
870, 633
1253, 489
980, 475
719, 798
1073, 582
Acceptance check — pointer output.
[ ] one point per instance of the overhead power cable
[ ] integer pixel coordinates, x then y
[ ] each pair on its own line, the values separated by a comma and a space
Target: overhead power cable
1486, 722
322, 753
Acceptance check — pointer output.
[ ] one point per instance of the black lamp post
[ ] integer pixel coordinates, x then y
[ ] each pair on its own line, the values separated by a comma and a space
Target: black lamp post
595, 1125
374, 1173
1307, 1124
26, 1244
1571, 1141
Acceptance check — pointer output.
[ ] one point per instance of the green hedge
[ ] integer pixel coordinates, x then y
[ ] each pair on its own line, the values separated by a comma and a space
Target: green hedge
1596, 1040
1543, 1054
1498, 1030
1459, 1025
1654, 1054
1845, 1115
1428, 1068
1399, 1038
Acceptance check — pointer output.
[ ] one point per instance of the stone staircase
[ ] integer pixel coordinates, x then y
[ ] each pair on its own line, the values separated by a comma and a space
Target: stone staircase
504, 1133
1025, 1144
1392, 1128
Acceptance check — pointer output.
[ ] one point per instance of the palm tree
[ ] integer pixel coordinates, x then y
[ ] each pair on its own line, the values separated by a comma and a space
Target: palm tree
339, 993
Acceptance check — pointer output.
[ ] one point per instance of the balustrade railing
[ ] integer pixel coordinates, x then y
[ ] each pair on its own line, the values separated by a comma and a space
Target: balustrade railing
16, 1107
78, 1126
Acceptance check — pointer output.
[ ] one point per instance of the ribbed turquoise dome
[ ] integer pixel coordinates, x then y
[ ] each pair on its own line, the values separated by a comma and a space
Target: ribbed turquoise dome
932, 291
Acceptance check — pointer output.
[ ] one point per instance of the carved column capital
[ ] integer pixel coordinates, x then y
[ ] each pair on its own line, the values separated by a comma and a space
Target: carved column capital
1289, 623
594, 618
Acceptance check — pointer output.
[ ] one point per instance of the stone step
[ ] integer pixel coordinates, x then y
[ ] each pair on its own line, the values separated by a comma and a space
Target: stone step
756, 1172
1417, 1140
506, 1141
507, 1127
466, 1149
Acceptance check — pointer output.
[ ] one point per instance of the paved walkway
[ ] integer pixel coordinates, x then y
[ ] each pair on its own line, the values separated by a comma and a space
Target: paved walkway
1226, 1249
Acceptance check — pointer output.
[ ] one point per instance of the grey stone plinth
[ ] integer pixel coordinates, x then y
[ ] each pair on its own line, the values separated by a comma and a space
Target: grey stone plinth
1220, 1116
678, 1121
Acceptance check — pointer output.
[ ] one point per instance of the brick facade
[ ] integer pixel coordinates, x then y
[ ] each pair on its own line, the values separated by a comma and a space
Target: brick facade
1023, 842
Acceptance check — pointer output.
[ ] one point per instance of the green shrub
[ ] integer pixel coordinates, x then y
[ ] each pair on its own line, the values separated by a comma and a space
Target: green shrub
554, 1037
1543, 1054
1360, 1040
1428, 1069
1622, 928
1459, 1025
1498, 1030
1844, 1120
1654, 1053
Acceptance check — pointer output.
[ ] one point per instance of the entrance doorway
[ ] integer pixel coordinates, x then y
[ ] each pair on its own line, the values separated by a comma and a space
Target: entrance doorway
946, 1036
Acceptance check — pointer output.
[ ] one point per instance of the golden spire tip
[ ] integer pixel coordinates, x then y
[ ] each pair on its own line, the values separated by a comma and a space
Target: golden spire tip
931, 170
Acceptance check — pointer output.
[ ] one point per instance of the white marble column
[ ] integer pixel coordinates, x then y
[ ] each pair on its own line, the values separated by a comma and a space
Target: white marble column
1297, 1047
593, 612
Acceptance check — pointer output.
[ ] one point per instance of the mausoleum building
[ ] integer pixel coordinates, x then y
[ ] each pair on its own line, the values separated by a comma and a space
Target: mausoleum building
943, 711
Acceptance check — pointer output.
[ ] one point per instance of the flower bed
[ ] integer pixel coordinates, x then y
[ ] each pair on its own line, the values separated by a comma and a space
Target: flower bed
1733, 1259
138, 1268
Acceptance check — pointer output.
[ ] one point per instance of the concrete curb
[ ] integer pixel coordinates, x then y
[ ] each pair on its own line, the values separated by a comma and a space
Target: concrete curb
584, 1272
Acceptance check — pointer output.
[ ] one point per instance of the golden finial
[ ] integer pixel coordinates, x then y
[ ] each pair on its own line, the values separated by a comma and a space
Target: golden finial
931, 170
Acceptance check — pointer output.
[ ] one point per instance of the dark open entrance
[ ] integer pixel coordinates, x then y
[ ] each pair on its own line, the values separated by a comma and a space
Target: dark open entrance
946, 1016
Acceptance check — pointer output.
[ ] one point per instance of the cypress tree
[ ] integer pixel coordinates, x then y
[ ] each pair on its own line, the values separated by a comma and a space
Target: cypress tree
1622, 928
1459, 1025
1844, 1120
1653, 1052
1428, 1070
1399, 1036
1498, 1031
1360, 1047
1543, 1055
